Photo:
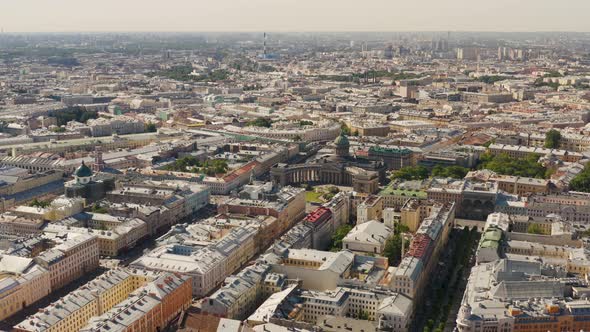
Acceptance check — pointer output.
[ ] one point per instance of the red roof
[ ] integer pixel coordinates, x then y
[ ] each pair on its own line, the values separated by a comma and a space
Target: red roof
319, 214
244, 169
419, 245
364, 153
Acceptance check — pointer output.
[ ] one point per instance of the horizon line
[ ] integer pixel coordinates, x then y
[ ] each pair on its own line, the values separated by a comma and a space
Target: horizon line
288, 31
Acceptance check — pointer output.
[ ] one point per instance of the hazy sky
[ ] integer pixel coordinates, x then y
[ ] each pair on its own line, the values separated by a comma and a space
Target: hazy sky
294, 15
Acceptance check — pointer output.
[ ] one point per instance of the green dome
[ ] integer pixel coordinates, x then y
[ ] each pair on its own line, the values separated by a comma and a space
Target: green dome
83, 171
341, 141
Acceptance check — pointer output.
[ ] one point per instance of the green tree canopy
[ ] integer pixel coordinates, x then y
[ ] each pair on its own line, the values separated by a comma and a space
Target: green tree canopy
552, 139
582, 181
339, 235
534, 229
411, 173
260, 122
345, 130
455, 172
151, 127
506, 165
393, 248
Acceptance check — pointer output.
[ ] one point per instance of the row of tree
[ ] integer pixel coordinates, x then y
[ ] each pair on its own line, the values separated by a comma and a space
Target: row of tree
74, 113
582, 181
260, 122
506, 165
193, 165
420, 172
184, 73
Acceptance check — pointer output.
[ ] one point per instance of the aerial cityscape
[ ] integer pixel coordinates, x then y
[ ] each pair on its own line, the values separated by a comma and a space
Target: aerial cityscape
252, 181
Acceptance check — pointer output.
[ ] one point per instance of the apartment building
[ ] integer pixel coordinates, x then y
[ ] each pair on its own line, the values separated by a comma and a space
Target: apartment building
369, 237
240, 295
388, 310
75, 255
432, 235
22, 283
370, 209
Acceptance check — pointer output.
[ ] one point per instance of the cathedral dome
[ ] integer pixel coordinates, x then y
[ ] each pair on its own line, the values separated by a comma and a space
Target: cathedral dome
341, 140
83, 171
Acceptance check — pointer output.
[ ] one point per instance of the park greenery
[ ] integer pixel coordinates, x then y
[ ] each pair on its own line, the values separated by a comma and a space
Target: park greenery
420, 172
501, 164
151, 127
582, 181
184, 73
491, 79
338, 236
303, 123
73, 114
393, 245
367, 75
535, 229
260, 122
411, 173
38, 203
313, 196
506, 165
319, 194
344, 129
332, 191
193, 165
97, 208
552, 139
445, 293
455, 172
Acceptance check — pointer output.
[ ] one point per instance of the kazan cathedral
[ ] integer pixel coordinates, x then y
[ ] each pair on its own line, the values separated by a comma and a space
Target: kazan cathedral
339, 169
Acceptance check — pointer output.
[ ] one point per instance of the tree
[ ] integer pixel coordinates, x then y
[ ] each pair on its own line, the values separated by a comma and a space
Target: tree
339, 235
96, 208
455, 172
493, 78
411, 173
552, 139
260, 122
582, 181
38, 203
363, 315
345, 130
393, 248
534, 229
297, 138
506, 165
151, 127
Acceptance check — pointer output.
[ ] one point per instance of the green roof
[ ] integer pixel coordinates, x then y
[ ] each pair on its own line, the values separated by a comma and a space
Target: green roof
83, 171
387, 191
491, 238
378, 149
489, 244
493, 234
341, 140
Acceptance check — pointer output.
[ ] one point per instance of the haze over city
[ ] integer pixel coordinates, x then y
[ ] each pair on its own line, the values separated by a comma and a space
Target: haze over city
294, 15
294, 166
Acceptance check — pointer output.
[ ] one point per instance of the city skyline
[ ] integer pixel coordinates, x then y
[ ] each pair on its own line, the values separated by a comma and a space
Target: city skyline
293, 16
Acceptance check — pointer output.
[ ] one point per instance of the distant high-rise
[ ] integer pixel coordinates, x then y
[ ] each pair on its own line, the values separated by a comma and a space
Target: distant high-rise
388, 53
467, 53
264, 46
